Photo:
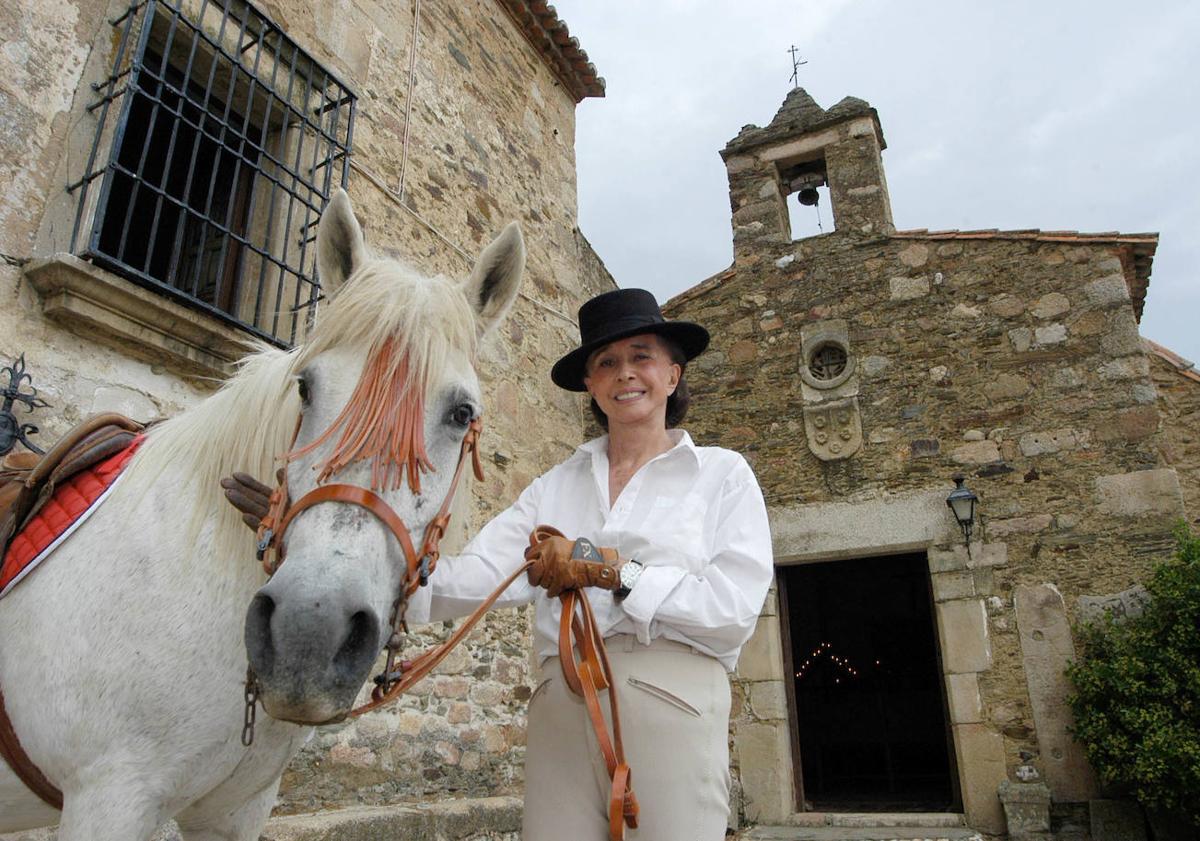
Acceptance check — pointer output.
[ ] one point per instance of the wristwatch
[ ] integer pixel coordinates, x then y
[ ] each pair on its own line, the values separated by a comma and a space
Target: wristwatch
628, 574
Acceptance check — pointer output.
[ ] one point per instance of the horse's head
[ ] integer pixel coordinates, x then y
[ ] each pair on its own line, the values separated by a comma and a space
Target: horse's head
388, 386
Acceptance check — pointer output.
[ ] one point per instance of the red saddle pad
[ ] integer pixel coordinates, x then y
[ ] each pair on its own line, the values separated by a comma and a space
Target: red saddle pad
72, 503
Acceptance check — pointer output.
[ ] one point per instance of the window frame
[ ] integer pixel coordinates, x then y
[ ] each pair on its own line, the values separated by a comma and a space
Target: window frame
291, 136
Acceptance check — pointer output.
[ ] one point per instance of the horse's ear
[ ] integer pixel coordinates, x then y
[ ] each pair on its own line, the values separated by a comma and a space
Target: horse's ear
493, 284
340, 246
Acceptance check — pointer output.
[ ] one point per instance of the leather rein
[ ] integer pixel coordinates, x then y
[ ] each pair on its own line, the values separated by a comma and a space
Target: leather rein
586, 675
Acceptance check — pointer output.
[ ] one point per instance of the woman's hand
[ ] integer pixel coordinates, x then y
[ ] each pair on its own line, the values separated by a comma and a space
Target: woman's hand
561, 564
250, 496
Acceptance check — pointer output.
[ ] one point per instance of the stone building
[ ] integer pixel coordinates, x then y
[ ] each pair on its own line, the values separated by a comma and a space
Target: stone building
153, 153
897, 668
859, 371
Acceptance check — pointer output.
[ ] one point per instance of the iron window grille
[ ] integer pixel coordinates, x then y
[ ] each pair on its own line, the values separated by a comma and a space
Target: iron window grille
223, 140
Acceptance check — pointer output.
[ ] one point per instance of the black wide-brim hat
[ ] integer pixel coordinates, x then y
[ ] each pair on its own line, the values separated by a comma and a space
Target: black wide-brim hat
618, 315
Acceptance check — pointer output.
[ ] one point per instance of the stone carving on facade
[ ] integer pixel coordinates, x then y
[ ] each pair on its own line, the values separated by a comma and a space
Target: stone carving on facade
1122, 606
834, 430
832, 419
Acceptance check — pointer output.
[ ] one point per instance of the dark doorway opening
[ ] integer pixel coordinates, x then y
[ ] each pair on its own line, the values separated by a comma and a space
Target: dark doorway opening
869, 710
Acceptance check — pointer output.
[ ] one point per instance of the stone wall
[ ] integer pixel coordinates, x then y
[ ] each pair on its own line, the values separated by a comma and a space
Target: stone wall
1015, 361
491, 140
460, 731
1178, 386
50, 60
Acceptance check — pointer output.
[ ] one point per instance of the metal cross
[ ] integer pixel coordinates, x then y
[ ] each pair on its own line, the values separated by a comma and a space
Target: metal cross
795, 80
13, 431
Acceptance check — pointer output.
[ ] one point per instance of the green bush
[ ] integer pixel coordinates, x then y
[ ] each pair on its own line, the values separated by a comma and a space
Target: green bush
1137, 701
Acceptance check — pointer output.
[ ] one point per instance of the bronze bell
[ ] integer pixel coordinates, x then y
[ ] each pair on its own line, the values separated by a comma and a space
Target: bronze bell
809, 196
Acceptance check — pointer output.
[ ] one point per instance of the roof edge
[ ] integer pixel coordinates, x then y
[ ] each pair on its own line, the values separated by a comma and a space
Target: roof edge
1137, 256
1137, 261
1146, 238
709, 283
548, 34
1184, 367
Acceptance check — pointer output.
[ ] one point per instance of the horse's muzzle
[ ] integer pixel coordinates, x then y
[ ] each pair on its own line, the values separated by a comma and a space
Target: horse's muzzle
311, 655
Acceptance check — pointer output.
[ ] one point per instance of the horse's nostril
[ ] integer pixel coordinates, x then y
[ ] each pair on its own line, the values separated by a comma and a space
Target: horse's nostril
357, 651
260, 647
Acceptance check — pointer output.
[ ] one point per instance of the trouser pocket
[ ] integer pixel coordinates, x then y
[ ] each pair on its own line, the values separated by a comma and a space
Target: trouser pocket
537, 692
664, 695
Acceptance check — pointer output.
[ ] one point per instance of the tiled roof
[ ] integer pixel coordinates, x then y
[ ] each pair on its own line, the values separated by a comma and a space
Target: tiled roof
800, 114
1184, 366
1137, 256
547, 32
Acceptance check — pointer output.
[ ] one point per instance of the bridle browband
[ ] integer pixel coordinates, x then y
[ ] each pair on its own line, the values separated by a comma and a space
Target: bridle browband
419, 565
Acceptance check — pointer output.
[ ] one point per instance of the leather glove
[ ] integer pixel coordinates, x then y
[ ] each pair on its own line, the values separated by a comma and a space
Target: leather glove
562, 564
250, 496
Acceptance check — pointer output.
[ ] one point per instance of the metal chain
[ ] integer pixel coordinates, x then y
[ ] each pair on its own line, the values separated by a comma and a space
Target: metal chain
395, 644
251, 695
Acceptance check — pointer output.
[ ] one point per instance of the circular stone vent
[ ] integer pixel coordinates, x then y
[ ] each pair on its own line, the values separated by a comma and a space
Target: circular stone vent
828, 362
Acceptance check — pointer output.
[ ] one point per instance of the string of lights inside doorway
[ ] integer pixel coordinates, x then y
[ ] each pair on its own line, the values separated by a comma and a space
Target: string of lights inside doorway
397, 194
826, 648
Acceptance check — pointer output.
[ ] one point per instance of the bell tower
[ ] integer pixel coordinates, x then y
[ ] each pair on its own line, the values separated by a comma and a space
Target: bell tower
803, 148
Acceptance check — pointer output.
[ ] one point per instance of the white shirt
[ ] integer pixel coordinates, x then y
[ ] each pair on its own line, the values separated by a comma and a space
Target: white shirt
693, 516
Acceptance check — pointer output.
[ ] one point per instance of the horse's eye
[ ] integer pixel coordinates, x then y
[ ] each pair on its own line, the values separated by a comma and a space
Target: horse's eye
302, 387
462, 414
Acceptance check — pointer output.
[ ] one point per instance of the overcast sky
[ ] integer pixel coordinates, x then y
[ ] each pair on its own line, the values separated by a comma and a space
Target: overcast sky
1056, 115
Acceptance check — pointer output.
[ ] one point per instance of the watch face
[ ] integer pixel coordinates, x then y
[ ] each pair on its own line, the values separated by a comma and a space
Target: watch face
630, 571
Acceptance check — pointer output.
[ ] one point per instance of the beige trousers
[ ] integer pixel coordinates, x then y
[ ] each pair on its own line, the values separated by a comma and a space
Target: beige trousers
674, 706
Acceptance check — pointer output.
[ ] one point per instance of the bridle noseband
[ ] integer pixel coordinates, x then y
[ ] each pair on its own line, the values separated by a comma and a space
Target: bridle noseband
419, 565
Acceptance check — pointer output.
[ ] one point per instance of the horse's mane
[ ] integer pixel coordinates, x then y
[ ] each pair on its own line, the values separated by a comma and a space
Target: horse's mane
247, 425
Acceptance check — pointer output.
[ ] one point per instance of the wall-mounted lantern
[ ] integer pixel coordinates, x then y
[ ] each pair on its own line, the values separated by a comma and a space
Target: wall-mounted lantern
962, 502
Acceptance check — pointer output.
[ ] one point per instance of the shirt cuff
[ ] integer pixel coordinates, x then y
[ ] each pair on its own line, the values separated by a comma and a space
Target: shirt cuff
419, 606
653, 587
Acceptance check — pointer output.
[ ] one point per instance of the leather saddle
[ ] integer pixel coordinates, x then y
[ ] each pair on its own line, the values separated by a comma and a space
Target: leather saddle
27, 480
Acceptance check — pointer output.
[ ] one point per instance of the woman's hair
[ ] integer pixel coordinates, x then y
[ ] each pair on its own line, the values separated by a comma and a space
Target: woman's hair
677, 403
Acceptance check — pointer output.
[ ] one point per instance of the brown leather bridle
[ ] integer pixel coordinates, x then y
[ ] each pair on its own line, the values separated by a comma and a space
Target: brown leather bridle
586, 675
419, 565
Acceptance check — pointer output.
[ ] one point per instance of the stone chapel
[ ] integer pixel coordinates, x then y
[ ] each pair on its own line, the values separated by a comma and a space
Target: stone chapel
902, 664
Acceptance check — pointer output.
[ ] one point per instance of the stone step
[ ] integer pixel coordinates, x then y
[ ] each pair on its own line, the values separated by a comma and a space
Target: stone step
858, 832
474, 819
468, 819
878, 819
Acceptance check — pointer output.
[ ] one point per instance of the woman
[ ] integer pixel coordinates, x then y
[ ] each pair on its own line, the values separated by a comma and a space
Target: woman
683, 531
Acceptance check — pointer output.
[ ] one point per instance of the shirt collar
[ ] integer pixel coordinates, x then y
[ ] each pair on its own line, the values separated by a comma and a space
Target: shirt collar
684, 447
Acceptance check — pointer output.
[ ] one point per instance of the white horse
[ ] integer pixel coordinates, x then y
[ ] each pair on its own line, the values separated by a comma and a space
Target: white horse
122, 658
